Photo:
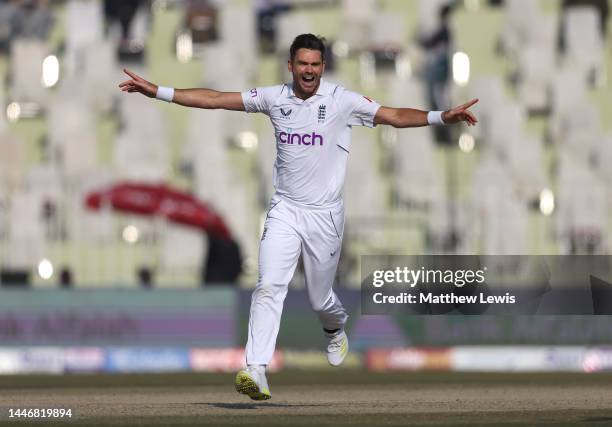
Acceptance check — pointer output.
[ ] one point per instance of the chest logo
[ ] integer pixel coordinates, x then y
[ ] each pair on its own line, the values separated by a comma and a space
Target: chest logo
322, 111
285, 113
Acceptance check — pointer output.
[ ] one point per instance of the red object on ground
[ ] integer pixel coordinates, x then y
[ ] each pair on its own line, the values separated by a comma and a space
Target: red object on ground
148, 199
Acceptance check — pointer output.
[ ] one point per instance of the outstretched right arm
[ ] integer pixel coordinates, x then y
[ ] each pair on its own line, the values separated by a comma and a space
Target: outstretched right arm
199, 98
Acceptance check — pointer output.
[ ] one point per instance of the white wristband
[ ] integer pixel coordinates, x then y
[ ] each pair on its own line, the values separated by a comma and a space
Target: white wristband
435, 118
165, 93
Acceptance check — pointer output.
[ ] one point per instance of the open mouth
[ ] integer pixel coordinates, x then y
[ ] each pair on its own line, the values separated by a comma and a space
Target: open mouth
308, 79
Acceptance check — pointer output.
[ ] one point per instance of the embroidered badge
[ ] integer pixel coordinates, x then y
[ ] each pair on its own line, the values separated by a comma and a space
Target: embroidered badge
322, 109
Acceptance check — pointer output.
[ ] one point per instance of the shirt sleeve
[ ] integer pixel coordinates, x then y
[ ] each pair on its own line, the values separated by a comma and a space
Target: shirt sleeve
259, 99
361, 109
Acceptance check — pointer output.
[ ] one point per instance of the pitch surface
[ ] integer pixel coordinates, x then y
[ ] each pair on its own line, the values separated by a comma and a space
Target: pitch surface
313, 398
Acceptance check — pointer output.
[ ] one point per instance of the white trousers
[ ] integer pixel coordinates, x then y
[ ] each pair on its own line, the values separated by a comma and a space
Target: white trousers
289, 230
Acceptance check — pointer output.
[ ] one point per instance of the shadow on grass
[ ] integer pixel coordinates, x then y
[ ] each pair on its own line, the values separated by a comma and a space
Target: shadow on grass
224, 405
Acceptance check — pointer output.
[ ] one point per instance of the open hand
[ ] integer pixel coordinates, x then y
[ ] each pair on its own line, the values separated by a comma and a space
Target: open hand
461, 114
138, 84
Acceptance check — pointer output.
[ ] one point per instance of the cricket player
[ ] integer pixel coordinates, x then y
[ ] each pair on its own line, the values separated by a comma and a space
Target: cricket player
312, 121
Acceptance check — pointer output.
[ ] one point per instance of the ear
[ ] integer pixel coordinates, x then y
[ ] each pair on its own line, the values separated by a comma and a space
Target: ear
323, 67
290, 66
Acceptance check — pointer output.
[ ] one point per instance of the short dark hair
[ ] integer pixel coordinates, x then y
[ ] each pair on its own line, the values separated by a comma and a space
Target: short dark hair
307, 41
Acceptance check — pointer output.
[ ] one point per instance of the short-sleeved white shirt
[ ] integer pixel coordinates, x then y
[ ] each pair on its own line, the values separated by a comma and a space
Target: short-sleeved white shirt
312, 138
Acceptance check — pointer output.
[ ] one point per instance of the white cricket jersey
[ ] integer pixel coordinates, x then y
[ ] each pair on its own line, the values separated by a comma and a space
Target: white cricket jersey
312, 138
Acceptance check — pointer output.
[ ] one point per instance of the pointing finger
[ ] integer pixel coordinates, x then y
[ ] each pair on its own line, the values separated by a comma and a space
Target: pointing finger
469, 104
131, 74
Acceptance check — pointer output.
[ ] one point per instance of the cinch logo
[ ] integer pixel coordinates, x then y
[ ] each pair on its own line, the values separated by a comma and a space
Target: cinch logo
296, 138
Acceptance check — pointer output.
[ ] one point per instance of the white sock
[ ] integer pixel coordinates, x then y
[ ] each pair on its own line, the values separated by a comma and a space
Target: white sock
335, 332
258, 368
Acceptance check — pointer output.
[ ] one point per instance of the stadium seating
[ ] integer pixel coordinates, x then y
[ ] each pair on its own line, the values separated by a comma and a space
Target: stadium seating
525, 162
582, 217
142, 151
216, 180
416, 177
72, 144
26, 60
583, 41
84, 31
490, 92
498, 212
542, 124
86, 227
521, 26
12, 160
535, 66
26, 236
98, 64
243, 43
356, 22
181, 248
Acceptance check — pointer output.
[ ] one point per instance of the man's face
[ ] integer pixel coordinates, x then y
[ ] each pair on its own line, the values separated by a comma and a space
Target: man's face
307, 67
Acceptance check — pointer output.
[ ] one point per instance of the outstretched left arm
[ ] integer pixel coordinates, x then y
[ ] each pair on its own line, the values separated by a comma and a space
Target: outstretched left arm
409, 117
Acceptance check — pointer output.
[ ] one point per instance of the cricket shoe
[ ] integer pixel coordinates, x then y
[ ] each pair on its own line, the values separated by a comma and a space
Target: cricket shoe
338, 347
252, 382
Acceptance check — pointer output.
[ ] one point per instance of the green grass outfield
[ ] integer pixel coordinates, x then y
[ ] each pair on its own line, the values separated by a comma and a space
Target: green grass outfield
313, 398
